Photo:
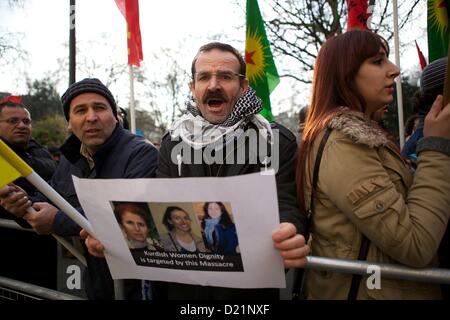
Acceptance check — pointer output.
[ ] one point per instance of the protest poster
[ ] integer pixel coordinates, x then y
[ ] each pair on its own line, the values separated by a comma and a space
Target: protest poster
175, 229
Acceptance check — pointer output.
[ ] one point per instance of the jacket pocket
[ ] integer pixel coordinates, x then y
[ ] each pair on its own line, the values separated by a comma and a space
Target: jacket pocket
371, 197
377, 211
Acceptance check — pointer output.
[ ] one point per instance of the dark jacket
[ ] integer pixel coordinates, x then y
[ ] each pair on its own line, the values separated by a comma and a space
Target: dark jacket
123, 155
286, 186
39, 249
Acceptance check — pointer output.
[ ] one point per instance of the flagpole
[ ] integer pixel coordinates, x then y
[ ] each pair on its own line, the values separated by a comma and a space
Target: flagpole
447, 80
132, 113
13, 163
401, 129
59, 201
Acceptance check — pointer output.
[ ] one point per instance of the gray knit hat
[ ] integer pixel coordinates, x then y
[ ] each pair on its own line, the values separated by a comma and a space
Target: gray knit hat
85, 86
433, 76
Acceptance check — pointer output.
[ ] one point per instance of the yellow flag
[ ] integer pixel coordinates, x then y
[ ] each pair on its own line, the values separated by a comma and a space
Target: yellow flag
11, 165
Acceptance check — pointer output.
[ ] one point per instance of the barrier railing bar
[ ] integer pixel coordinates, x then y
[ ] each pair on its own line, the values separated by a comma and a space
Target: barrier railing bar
34, 290
430, 275
77, 254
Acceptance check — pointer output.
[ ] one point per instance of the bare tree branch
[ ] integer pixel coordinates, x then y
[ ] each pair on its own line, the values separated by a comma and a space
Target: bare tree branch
298, 28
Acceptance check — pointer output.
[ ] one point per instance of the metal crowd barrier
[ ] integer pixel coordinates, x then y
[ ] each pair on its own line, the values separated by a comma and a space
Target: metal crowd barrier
430, 275
18, 290
77, 254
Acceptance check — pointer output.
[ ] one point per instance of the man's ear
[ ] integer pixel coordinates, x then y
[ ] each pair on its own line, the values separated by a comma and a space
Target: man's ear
69, 126
192, 86
244, 86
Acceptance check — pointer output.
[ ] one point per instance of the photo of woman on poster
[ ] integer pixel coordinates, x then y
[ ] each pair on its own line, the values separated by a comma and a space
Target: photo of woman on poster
133, 221
219, 231
180, 237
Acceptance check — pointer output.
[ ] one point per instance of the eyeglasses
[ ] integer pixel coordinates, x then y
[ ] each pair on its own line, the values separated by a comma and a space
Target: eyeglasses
15, 121
221, 76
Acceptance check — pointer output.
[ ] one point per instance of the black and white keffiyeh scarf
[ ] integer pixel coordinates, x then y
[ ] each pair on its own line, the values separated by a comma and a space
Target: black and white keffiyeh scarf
197, 132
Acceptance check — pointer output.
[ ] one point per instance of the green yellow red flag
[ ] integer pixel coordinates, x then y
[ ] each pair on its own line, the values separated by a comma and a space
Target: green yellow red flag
438, 28
261, 70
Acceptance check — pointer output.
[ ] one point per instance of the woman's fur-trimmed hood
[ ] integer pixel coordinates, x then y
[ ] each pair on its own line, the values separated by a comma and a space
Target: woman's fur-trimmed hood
357, 127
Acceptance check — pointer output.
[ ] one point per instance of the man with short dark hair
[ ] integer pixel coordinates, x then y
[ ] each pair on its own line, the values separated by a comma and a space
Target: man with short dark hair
15, 131
98, 148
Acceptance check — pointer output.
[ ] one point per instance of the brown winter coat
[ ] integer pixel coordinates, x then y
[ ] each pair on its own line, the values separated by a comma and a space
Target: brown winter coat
364, 186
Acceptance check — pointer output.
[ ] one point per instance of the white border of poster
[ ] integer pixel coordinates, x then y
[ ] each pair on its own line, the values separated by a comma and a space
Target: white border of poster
253, 199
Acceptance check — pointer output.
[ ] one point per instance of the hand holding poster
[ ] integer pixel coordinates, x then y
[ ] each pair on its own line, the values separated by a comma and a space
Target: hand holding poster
205, 231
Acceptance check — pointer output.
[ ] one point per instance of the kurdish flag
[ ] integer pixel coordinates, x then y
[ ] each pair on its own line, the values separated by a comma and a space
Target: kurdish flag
261, 71
438, 28
13, 167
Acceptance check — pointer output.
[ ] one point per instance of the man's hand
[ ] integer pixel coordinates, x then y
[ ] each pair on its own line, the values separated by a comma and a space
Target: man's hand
291, 245
42, 220
93, 245
15, 200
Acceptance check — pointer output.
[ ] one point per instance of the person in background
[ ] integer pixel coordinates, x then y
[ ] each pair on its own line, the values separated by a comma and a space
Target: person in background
55, 152
366, 204
123, 118
16, 132
98, 148
302, 116
411, 126
431, 85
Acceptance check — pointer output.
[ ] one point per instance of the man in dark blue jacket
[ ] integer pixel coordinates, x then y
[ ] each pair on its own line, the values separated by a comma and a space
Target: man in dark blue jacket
99, 148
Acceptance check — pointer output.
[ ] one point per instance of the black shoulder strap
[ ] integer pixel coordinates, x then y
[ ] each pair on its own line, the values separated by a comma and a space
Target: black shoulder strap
356, 279
299, 280
316, 169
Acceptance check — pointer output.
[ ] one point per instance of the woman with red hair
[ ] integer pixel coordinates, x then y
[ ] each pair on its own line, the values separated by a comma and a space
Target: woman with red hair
364, 203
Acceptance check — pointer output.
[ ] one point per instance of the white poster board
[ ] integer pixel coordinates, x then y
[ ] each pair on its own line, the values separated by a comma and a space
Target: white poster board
250, 200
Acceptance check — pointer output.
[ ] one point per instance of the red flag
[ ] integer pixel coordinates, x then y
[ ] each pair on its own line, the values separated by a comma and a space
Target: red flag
15, 99
357, 14
423, 62
130, 10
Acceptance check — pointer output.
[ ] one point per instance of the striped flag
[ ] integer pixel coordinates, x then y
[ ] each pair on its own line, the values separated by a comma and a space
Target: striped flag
130, 10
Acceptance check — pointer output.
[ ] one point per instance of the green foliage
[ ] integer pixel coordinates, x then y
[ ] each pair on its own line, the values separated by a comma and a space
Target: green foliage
50, 131
391, 118
42, 99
